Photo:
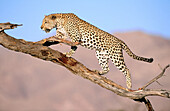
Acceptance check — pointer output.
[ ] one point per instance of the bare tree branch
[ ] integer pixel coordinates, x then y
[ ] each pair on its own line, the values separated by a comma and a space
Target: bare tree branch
41, 50
55, 40
146, 102
156, 78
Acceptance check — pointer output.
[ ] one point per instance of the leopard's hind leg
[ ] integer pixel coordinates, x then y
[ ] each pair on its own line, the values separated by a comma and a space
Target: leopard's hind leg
103, 57
117, 59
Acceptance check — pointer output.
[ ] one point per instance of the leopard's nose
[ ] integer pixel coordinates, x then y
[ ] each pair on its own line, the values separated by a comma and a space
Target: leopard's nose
41, 27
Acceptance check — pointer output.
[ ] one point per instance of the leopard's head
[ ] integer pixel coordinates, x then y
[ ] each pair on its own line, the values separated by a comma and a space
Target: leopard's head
52, 21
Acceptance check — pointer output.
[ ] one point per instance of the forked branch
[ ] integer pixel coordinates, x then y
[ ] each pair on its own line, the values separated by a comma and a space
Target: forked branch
156, 78
41, 50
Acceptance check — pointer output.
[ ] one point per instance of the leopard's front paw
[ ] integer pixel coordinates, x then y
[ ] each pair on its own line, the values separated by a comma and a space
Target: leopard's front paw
68, 54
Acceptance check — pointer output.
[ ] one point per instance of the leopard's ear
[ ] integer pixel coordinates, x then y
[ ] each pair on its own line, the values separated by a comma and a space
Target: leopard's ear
45, 15
53, 17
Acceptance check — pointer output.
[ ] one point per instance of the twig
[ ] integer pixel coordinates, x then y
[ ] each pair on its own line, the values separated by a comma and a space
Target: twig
159, 83
160, 67
156, 78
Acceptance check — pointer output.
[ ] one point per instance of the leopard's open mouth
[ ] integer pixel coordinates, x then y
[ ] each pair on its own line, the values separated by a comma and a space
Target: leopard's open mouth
47, 30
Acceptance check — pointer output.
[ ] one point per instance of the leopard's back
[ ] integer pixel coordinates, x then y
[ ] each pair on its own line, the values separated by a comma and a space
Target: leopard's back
95, 38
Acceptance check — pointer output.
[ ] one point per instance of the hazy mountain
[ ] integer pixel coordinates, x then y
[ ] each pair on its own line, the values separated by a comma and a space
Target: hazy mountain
30, 84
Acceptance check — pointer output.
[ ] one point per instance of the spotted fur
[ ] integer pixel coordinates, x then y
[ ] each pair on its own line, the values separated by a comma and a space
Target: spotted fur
107, 46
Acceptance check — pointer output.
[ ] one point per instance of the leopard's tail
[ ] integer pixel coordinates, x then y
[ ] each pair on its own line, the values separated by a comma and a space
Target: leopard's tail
131, 54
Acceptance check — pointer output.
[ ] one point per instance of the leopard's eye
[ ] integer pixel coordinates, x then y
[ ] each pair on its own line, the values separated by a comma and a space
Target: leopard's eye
45, 22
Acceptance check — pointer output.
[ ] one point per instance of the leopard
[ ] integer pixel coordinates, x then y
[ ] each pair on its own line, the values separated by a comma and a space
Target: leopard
107, 46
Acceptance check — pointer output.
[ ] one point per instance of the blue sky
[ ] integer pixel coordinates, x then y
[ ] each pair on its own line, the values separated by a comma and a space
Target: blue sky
151, 16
